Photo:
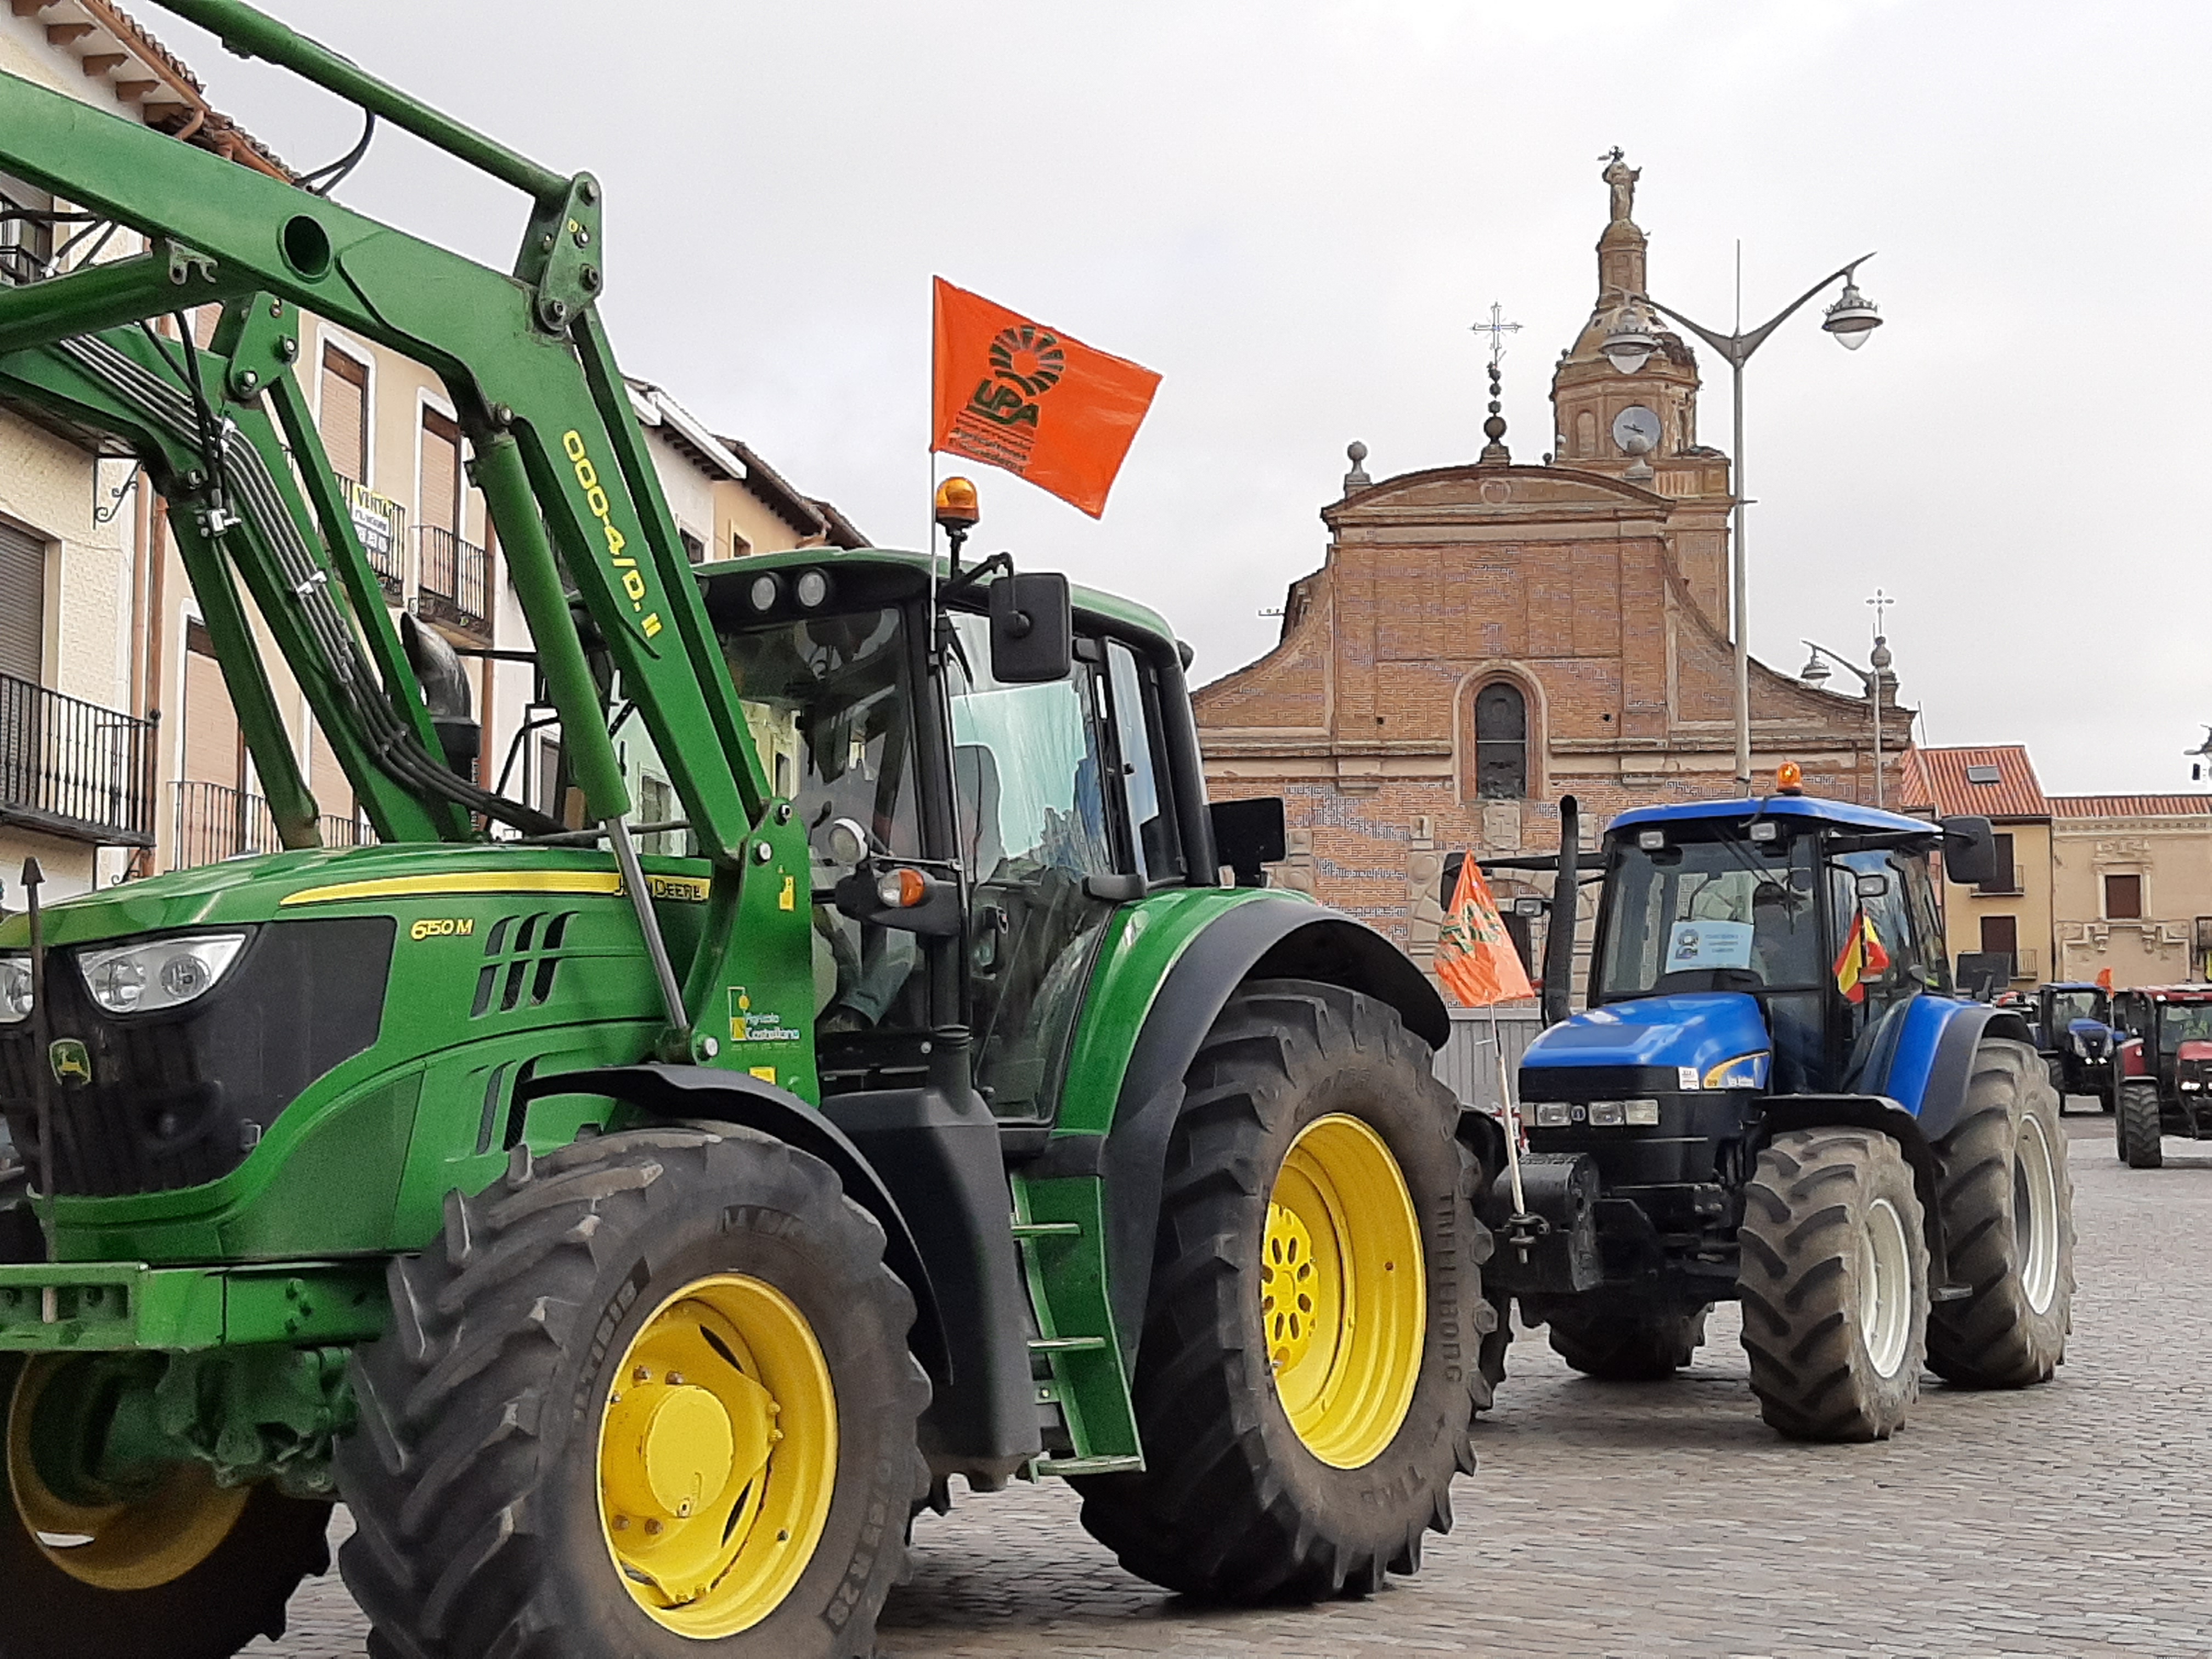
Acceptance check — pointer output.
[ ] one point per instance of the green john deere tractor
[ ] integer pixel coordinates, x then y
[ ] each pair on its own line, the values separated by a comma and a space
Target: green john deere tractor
635, 1242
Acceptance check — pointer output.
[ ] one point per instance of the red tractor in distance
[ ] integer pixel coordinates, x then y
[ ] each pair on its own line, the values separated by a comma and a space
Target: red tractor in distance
2161, 1068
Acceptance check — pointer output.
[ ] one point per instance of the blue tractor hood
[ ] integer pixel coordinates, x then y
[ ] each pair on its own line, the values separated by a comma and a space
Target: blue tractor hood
1652, 1044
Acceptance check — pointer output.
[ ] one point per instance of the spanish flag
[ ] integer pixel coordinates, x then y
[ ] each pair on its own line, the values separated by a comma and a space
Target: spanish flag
1011, 392
1861, 959
1474, 955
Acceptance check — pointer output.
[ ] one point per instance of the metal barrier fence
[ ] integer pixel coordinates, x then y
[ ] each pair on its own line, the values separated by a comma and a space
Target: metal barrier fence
75, 768
1468, 1064
454, 582
213, 823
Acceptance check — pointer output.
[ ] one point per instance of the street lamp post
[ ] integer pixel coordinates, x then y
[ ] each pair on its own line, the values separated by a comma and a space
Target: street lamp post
1631, 340
1815, 672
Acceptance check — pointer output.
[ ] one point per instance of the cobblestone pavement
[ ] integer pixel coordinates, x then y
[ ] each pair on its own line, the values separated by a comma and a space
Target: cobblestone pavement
1638, 1521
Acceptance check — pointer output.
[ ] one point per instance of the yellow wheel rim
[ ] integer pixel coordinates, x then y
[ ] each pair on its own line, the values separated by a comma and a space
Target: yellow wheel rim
151, 1540
1343, 1292
718, 1456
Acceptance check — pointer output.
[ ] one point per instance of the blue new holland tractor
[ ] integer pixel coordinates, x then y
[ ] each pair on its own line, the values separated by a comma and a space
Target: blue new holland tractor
1773, 1097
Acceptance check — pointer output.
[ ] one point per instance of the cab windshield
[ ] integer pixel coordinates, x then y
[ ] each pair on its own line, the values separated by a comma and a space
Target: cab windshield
2067, 1006
1710, 915
2183, 1022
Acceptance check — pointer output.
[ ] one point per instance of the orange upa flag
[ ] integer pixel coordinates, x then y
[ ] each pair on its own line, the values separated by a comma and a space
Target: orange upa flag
1474, 955
2104, 979
1862, 958
1016, 394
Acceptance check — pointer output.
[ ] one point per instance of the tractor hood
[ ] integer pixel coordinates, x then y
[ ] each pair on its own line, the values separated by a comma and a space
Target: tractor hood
2094, 1037
1650, 1045
280, 885
2196, 1051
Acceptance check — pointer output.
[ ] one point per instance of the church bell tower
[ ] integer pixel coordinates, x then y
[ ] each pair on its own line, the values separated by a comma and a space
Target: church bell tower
1628, 425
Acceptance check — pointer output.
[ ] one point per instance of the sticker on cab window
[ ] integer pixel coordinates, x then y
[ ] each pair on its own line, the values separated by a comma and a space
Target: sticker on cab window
1707, 944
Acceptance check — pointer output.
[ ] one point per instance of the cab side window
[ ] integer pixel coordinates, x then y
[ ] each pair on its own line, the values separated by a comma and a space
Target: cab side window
1141, 755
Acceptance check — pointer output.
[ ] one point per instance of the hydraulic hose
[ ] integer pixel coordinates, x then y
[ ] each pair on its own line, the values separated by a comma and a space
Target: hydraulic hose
393, 743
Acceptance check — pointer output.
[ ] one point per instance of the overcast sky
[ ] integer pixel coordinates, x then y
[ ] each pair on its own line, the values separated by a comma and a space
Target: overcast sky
1293, 211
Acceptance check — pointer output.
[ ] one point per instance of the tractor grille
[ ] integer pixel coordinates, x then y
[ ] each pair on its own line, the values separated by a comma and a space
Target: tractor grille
180, 1098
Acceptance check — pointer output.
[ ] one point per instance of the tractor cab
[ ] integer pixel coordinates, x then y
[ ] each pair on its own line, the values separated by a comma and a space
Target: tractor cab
2164, 1033
2161, 1068
1778, 942
2073, 1027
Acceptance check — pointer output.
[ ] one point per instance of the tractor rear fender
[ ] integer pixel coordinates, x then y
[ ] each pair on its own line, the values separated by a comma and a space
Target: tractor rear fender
1264, 937
703, 1093
1885, 1116
1932, 1060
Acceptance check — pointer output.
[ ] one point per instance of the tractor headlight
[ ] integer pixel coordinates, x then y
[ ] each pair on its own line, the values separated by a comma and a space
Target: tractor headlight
157, 974
1744, 1072
1553, 1115
1643, 1113
1606, 1113
15, 989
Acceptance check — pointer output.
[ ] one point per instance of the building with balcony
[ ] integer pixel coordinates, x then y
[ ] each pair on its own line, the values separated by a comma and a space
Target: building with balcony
2132, 883
79, 743
2012, 913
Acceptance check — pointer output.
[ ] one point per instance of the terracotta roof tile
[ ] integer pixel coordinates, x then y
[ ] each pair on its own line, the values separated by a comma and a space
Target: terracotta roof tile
1957, 781
2130, 807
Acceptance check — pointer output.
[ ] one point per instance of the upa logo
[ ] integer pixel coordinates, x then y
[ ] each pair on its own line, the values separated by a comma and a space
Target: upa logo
1026, 363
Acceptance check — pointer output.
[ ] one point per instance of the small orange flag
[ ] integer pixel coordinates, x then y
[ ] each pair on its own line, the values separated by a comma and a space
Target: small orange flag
1013, 393
1474, 954
2104, 979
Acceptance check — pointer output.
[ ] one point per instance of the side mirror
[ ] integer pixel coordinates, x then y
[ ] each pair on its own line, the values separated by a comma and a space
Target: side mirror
1970, 851
1032, 628
1247, 833
1872, 885
1529, 905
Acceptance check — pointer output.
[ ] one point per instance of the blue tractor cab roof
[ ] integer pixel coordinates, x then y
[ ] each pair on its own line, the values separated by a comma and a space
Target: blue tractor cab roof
1834, 814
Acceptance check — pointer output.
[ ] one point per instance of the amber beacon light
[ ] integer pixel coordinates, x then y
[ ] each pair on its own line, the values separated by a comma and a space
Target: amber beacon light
958, 507
1789, 779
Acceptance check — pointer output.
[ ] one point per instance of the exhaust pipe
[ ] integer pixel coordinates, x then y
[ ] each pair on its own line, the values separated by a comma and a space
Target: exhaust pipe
1559, 936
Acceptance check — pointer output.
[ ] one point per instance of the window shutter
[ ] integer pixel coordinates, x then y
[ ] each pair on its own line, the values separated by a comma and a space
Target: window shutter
441, 506
22, 603
345, 414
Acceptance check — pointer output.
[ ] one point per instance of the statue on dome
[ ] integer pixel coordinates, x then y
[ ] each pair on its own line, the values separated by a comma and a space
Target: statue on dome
1622, 178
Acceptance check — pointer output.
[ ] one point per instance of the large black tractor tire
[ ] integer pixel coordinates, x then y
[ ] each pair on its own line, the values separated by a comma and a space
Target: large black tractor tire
1300, 1086
2007, 1199
1617, 1347
1834, 1283
66, 1600
2055, 1069
2137, 1128
507, 1453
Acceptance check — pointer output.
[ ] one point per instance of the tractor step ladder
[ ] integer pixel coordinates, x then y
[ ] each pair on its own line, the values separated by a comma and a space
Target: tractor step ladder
1059, 1223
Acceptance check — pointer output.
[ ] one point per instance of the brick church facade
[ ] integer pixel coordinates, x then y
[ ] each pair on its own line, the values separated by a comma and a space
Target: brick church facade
1484, 638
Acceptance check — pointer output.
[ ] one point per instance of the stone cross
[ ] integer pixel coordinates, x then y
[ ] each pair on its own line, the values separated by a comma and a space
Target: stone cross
1497, 328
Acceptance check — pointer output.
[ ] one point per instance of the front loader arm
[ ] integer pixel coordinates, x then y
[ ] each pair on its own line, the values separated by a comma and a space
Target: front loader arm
567, 482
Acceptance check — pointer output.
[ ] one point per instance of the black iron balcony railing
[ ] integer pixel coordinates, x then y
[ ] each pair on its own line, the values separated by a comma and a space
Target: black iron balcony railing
214, 822
74, 769
381, 524
453, 580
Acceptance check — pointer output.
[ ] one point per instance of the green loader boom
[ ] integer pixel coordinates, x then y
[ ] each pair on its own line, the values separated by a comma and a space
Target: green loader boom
635, 1238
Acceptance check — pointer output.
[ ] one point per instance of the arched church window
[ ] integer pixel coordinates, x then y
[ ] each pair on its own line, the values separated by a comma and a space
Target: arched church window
1586, 433
1501, 742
